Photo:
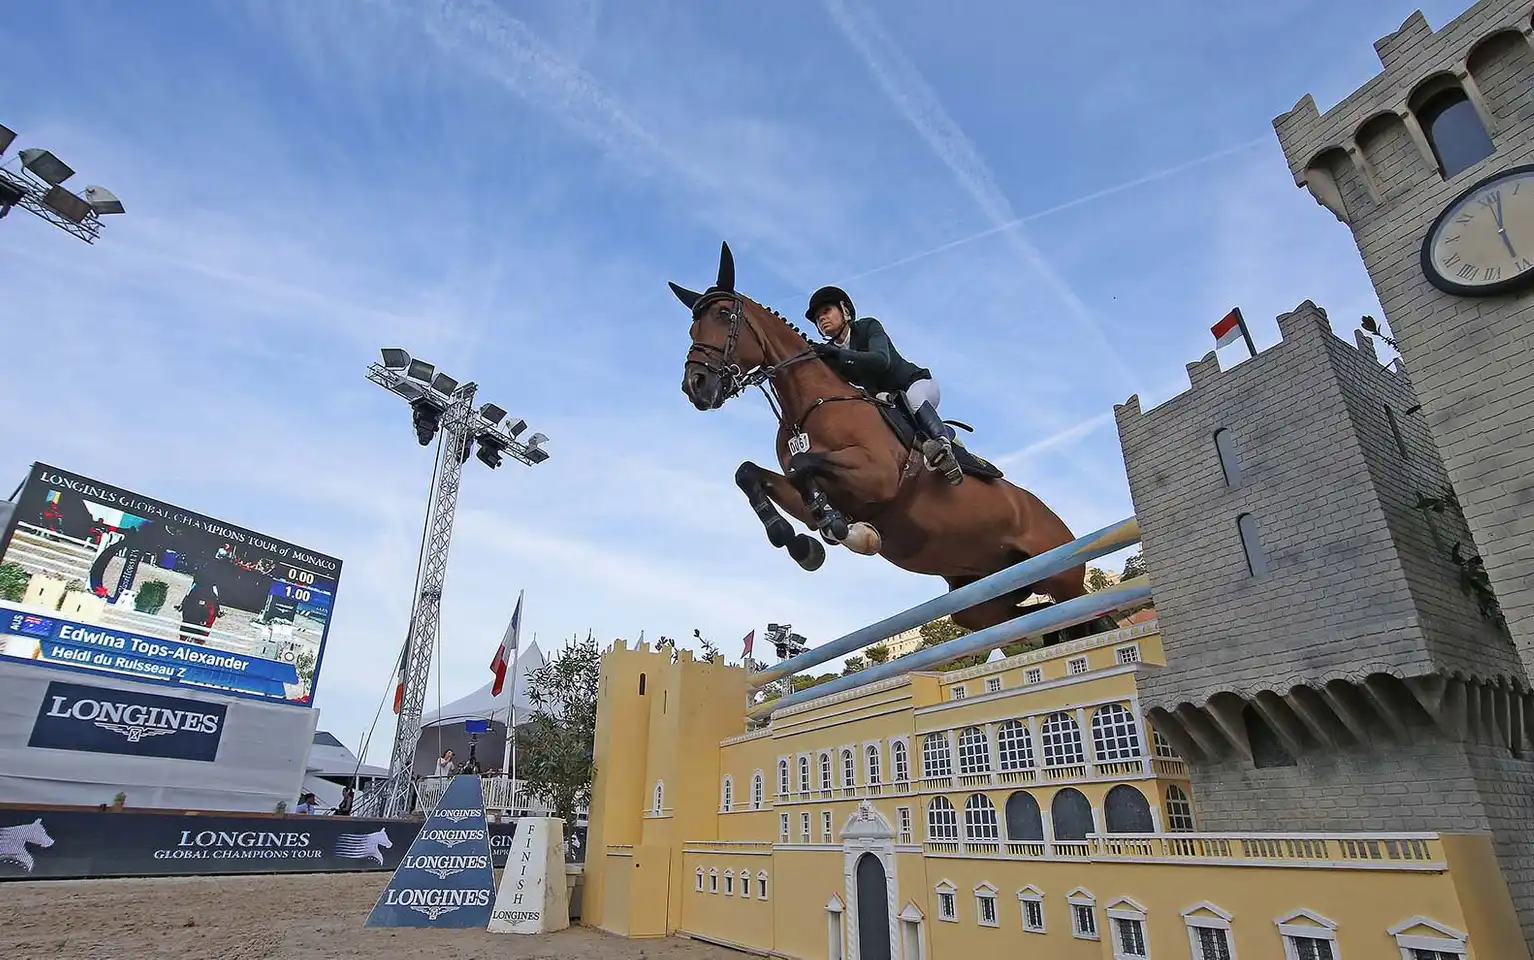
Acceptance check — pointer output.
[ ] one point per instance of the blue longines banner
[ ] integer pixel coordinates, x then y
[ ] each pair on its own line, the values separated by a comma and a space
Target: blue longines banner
102, 720
46, 843
446, 878
152, 658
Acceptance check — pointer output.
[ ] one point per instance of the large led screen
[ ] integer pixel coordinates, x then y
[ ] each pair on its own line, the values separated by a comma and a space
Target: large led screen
97, 578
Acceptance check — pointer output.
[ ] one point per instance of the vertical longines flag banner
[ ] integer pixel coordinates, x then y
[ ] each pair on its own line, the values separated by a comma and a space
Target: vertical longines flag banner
446, 878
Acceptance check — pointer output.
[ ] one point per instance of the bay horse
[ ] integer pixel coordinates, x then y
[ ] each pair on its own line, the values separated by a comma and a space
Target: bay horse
848, 473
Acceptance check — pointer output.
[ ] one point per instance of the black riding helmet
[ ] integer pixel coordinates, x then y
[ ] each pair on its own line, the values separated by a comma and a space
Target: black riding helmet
828, 295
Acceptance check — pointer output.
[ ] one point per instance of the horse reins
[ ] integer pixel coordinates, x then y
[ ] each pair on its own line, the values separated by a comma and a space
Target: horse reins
763, 374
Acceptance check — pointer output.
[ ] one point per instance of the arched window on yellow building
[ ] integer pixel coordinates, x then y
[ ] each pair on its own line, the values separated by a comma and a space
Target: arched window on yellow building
942, 821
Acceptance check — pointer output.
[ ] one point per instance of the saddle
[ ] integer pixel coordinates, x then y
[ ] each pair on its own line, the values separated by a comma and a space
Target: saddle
902, 420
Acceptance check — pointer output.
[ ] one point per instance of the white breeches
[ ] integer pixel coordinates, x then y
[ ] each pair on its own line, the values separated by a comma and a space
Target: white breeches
924, 391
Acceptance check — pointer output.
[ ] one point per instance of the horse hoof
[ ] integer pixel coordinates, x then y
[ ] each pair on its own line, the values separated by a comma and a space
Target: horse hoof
838, 529
807, 552
780, 533
863, 539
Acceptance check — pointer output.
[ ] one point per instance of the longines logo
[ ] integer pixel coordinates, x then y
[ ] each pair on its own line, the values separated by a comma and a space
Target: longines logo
77, 717
133, 720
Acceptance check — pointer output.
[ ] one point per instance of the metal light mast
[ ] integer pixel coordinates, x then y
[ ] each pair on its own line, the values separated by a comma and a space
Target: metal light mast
37, 186
444, 409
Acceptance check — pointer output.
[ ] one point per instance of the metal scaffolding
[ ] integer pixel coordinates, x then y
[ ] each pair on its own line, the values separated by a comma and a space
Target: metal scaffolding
443, 409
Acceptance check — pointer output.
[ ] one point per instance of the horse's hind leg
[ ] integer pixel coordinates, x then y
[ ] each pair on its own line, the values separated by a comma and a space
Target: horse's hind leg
763, 488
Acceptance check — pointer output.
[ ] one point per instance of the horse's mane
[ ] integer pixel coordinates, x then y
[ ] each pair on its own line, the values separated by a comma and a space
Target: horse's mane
786, 322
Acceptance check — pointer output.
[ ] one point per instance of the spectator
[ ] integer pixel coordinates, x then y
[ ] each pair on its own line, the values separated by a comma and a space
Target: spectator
445, 763
306, 803
344, 808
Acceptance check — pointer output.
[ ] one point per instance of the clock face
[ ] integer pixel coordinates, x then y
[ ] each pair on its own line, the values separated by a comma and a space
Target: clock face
1483, 243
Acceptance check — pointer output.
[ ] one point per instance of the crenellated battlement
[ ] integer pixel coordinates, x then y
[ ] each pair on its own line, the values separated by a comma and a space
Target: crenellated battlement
1305, 328
1408, 56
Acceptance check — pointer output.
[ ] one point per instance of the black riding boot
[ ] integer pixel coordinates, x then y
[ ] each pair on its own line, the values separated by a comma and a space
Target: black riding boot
937, 449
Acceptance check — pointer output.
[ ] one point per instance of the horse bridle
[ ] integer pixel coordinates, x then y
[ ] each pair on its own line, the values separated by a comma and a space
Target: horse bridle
726, 367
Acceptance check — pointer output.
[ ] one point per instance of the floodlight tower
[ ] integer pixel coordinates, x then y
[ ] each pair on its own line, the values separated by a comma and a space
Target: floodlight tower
36, 185
441, 409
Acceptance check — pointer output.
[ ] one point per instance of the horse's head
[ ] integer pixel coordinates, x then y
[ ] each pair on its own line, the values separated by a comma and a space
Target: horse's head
724, 345
381, 838
35, 833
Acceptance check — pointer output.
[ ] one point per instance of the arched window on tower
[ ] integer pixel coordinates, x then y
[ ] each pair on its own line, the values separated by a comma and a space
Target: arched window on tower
1251, 542
1453, 128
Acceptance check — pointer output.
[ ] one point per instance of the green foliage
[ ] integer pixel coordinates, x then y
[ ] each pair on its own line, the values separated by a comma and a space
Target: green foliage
305, 665
554, 747
940, 631
151, 596
804, 681
1098, 580
1473, 579
878, 653
1133, 567
852, 665
13, 582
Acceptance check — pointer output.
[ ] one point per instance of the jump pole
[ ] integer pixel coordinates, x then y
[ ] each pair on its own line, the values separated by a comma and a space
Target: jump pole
1056, 617
1109, 539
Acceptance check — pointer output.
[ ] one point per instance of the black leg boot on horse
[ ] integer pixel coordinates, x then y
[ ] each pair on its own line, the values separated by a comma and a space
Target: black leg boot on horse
937, 448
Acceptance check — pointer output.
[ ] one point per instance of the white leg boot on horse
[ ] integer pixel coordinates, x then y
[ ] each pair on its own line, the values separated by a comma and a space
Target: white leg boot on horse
937, 449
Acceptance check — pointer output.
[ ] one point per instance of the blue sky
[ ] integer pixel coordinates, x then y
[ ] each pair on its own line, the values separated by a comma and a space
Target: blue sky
1048, 209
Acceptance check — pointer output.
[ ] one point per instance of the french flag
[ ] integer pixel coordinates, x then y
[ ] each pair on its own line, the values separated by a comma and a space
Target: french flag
507, 651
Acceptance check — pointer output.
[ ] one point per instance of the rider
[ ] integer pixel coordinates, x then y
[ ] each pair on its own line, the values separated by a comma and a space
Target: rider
860, 350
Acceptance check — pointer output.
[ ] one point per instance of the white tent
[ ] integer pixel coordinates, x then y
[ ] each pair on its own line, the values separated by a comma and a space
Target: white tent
443, 729
481, 705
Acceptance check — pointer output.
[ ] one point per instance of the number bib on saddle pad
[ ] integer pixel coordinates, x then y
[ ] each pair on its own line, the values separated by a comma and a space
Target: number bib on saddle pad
798, 443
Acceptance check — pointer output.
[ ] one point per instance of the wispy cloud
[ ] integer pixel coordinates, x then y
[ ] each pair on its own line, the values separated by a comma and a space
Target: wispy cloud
504, 190
1071, 204
919, 104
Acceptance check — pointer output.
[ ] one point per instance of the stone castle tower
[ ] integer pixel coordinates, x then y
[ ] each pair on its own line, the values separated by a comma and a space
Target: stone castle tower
1450, 109
1325, 670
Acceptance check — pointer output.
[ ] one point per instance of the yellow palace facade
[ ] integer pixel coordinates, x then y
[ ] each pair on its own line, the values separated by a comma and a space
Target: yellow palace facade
1019, 808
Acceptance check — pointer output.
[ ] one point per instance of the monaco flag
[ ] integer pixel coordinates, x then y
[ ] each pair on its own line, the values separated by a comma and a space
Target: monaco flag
1231, 328
508, 648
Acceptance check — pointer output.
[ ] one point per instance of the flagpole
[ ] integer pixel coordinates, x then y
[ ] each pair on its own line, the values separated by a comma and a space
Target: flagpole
509, 755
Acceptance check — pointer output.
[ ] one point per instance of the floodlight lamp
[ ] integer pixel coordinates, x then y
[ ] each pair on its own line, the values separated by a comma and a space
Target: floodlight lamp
10, 194
407, 389
7, 137
537, 440
492, 413
421, 370
515, 427
444, 384
45, 166
103, 201
394, 358
535, 455
66, 204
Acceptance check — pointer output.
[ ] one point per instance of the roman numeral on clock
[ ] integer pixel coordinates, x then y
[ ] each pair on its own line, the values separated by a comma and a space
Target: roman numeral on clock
1467, 271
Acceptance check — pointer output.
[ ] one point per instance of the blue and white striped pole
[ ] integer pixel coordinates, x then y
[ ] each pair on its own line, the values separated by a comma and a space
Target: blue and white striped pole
1056, 617
1109, 539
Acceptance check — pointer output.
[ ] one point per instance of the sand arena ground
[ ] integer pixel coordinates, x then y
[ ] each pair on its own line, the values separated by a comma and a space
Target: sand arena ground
275, 917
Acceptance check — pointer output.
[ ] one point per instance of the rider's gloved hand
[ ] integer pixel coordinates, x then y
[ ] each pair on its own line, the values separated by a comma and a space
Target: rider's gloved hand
827, 351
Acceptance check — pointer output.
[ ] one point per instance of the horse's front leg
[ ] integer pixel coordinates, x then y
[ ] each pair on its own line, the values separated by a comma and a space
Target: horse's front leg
809, 474
763, 488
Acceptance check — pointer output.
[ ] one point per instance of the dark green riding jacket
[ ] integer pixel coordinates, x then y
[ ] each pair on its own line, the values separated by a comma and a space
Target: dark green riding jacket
871, 361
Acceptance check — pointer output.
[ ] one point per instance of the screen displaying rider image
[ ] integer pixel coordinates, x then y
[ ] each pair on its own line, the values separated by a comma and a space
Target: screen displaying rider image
99, 578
